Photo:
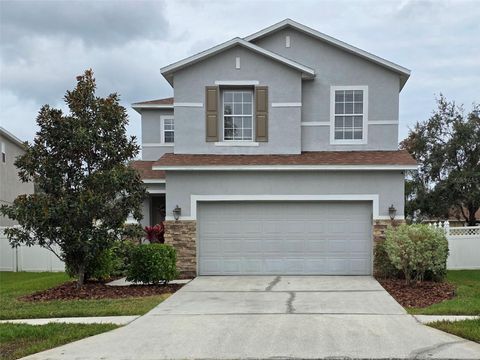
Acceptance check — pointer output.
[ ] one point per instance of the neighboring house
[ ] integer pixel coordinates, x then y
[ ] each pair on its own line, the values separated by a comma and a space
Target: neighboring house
281, 150
10, 184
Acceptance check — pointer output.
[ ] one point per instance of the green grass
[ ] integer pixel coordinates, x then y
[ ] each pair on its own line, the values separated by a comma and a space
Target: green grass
14, 285
467, 300
18, 340
467, 329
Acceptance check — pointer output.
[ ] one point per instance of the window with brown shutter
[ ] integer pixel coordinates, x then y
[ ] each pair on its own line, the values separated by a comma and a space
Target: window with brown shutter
211, 113
261, 107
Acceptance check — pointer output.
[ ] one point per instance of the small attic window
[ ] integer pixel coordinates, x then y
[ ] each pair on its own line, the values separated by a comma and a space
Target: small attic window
237, 62
287, 41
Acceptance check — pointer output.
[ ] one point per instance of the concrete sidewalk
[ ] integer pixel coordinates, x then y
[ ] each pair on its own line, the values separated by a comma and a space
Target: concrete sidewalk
117, 320
273, 317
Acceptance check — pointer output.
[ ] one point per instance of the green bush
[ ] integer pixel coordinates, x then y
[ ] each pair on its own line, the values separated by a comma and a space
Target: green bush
99, 267
417, 250
382, 264
108, 263
152, 264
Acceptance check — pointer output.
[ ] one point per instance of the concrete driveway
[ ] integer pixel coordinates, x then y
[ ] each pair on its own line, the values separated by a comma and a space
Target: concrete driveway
273, 317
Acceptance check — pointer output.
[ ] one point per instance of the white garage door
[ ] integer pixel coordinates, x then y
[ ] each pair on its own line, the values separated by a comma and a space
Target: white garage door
284, 238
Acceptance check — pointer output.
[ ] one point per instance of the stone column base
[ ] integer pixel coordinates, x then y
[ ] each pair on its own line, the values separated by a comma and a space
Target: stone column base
182, 236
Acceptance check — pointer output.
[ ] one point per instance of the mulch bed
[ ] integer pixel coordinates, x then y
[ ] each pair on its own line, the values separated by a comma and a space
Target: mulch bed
423, 294
98, 290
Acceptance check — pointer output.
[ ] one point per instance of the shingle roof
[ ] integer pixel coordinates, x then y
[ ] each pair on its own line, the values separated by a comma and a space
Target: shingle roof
398, 157
145, 170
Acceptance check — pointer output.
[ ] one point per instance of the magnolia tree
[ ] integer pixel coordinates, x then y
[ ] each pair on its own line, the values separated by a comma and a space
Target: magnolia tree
447, 148
79, 163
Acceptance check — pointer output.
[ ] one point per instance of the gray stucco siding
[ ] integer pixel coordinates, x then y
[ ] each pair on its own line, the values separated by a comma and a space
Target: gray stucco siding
284, 85
151, 134
388, 185
335, 67
382, 137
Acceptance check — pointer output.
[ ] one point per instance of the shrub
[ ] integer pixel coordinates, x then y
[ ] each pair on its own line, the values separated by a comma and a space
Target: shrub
99, 267
155, 233
382, 264
417, 250
122, 252
133, 232
152, 264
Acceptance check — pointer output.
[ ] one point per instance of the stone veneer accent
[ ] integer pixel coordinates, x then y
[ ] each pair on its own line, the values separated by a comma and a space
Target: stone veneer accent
182, 235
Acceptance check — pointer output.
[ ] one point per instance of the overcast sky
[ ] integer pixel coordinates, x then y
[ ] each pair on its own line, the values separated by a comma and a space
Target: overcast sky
45, 44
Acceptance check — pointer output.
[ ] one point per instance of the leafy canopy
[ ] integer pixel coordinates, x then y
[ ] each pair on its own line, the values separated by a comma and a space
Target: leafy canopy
447, 147
79, 161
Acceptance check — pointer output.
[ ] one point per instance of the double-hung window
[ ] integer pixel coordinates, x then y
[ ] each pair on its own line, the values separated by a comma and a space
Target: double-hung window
168, 130
237, 115
349, 114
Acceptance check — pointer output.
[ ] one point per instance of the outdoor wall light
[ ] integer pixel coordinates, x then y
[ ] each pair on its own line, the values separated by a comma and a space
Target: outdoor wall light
177, 212
392, 212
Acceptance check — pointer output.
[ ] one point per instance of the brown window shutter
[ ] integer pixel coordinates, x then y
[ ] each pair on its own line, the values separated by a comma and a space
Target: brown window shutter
261, 113
211, 113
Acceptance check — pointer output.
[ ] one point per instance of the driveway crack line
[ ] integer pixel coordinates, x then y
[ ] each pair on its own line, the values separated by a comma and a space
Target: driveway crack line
291, 298
431, 350
273, 283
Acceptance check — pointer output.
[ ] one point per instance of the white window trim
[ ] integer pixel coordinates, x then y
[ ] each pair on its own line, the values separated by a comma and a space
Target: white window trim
364, 139
236, 142
162, 129
237, 82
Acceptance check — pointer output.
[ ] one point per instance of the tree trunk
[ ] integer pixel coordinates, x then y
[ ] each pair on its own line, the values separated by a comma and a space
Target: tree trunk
81, 276
472, 210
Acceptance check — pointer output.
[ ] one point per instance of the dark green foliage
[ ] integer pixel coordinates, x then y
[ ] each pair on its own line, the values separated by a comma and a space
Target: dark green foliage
447, 148
80, 162
382, 264
152, 264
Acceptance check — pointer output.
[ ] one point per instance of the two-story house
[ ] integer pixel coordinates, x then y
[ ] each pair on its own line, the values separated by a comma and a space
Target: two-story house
278, 154
10, 183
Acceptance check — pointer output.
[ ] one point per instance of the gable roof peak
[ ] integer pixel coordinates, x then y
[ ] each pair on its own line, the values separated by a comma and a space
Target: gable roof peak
402, 71
168, 71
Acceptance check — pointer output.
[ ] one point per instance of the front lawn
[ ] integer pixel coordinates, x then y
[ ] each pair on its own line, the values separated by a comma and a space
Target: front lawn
19, 340
466, 301
14, 285
468, 329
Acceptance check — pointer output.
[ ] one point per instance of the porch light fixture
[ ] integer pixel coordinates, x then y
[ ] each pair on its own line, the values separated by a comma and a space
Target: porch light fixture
392, 212
177, 212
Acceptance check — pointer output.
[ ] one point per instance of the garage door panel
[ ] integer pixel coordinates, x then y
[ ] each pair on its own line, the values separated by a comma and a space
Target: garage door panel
287, 238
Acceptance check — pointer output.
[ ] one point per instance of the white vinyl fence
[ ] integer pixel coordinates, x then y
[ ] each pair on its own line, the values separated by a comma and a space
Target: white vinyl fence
464, 246
25, 258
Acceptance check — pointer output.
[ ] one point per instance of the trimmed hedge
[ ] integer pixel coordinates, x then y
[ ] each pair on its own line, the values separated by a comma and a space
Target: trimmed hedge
152, 264
417, 251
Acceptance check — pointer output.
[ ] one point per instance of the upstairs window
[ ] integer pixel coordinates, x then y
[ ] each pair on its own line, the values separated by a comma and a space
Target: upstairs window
349, 115
168, 130
4, 155
237, 115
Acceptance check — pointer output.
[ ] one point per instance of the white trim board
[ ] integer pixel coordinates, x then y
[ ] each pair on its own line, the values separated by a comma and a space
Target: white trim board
315, 123
383, 122
370, 122
237, 82
194, 199
284, 167
187, 104
287, 104
236, 143
155, 191
158, 144
154, 181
